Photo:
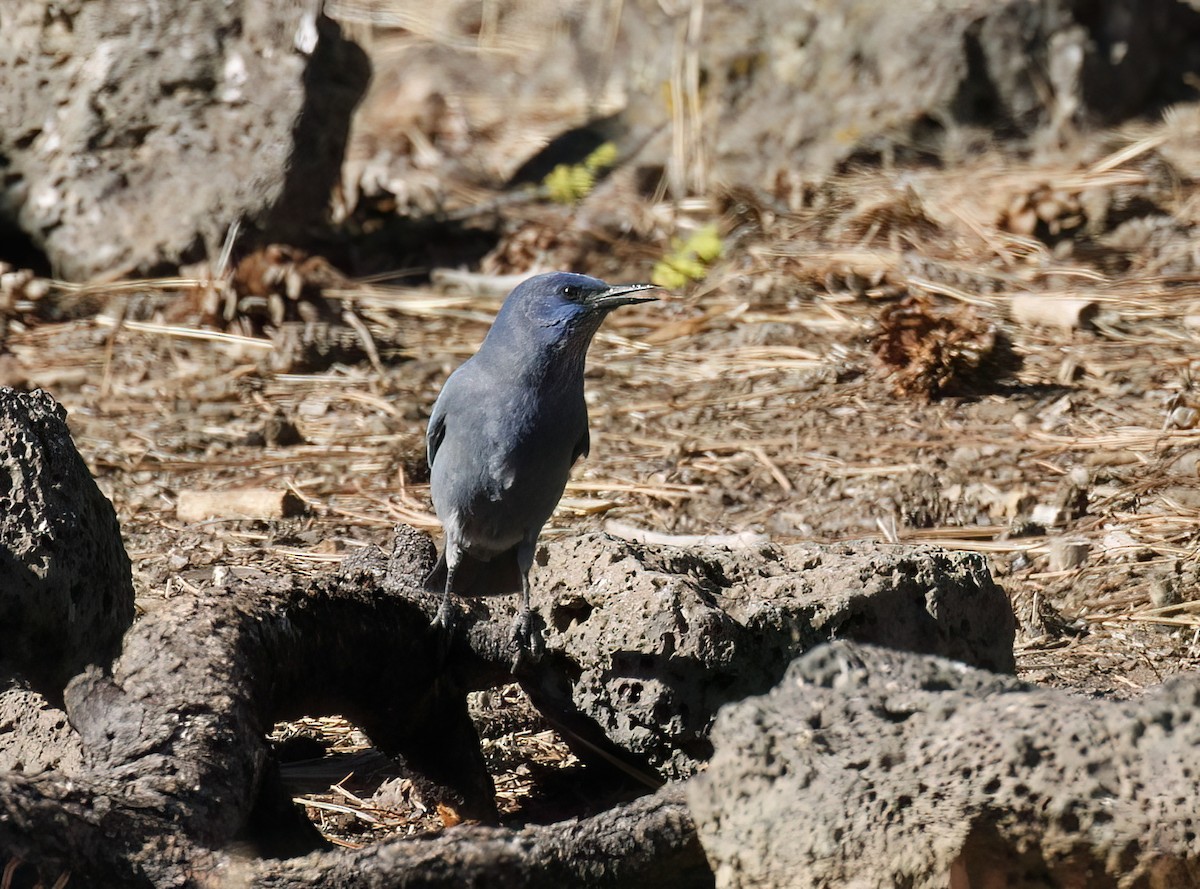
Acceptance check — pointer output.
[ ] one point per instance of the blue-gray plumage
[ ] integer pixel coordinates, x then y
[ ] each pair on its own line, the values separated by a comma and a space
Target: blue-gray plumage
504, 433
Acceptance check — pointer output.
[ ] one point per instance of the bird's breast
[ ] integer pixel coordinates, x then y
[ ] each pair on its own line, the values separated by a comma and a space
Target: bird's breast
506, 453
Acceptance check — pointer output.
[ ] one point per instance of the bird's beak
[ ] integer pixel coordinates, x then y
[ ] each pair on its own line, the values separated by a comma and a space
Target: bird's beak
622, 295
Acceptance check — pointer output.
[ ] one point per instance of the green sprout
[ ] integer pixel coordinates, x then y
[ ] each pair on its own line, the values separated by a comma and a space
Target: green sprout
689, 260
571, 183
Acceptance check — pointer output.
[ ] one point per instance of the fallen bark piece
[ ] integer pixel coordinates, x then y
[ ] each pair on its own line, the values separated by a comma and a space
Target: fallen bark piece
1067, 553
239, 503
1063, 313
476, 282
870, 767
1183, 417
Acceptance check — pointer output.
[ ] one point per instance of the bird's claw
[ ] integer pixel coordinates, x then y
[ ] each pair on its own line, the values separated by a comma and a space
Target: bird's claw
444, 623
526, 640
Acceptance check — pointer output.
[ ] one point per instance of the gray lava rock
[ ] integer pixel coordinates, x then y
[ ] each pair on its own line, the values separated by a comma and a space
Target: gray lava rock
831, 81
789, 86
657, 638
36, 737
873, 768
66, 591
132, 135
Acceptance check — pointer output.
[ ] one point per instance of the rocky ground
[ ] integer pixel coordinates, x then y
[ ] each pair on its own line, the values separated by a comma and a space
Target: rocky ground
933, 338
752, 403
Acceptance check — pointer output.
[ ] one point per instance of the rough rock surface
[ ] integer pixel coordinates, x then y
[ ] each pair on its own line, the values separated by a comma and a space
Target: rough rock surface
66, 591
777, 87
165, 760
133, 135
868, 79
874, 768
36, 737
660, 637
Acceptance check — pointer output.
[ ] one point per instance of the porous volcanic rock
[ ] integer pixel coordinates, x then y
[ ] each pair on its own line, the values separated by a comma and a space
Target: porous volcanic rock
825, 82
66, 591
875, 768
36, 737
657, 638
133, 135
783, 88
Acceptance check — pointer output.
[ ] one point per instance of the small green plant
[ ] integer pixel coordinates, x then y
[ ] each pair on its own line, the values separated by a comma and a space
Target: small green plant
571, 183
689, 259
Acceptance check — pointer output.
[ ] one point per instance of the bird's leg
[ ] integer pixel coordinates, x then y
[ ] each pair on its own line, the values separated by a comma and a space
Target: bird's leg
527, 642
446, 619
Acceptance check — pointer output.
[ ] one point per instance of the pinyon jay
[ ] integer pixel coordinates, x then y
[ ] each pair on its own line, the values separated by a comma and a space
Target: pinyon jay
504, 433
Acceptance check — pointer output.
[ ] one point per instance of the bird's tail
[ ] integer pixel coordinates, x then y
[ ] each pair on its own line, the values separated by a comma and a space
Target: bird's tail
475, 577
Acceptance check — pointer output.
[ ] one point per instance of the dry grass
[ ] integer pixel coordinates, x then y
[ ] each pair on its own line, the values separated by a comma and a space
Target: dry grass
353, 794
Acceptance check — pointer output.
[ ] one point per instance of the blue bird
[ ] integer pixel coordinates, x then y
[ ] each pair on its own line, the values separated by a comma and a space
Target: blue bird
504, 434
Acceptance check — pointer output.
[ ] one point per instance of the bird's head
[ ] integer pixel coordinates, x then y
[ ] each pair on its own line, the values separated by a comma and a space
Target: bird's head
566, 306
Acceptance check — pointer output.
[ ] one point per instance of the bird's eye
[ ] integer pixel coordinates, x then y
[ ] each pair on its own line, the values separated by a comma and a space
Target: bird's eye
570, 292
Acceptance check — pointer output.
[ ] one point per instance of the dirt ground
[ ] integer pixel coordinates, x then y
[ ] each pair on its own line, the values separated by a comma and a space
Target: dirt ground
750, 401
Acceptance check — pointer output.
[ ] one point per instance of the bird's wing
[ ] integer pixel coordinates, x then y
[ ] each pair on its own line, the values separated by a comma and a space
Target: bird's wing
582, 447
458, 392
436, 431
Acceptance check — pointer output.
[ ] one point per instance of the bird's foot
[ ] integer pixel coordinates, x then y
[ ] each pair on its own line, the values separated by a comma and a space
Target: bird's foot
444, 623
526, 640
